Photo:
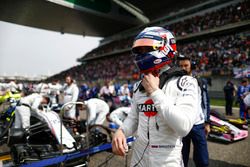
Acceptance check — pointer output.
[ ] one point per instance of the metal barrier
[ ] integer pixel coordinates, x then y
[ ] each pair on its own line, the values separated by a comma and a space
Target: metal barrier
87, 125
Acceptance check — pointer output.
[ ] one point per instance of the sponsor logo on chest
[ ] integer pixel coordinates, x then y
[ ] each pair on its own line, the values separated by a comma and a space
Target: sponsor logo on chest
148, 108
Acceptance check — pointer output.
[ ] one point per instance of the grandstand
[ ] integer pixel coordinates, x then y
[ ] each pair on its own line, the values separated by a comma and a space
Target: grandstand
215, 33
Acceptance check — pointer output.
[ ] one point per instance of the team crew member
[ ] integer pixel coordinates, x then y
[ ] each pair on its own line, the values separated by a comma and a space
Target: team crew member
199, 131
97, 111
35, 103
55, 88
164, 105
70, 92
229, 92
243, 89
29, 104
118, 115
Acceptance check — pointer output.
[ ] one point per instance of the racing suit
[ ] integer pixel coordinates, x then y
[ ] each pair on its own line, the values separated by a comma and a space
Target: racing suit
97, 111
161, 120
119, 115
30, 104
54, 93
23, 110
71, 93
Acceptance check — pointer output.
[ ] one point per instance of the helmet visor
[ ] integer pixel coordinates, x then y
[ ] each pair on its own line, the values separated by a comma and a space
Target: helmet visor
155, 44
150, 61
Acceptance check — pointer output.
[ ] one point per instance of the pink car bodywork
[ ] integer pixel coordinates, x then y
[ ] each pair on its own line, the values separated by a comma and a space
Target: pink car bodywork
236, 133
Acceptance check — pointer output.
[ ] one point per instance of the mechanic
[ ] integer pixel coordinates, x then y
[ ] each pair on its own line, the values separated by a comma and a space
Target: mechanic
70, 94
97, 111
243, 89
28, 104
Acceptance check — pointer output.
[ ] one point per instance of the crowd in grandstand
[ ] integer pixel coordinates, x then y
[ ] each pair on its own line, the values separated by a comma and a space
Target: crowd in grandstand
223, 16
227, 15
213, 55
111, 47
219, 55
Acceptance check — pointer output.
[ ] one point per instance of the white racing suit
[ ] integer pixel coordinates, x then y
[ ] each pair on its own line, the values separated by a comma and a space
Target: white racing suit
23, 111
30, 104
119, 115
161, 120
54, 93
98, 109
71, 93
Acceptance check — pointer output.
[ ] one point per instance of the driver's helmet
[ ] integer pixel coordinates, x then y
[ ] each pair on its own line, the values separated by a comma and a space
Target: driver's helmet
153, 48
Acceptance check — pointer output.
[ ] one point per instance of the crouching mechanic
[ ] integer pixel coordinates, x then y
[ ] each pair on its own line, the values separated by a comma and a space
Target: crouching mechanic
27, 105
35, 103
164, 104
97, 111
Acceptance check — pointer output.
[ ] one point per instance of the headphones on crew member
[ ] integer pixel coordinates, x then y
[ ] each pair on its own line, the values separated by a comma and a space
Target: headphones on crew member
182, 57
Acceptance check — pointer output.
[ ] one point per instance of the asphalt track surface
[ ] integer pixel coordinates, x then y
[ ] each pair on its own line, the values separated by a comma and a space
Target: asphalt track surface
235, 154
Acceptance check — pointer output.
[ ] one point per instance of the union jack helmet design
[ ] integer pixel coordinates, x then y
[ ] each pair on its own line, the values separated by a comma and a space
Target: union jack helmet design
153, 48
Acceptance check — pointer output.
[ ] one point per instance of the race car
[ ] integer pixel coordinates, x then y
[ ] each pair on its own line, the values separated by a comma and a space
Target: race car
239, 123
225, 131
40, 142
